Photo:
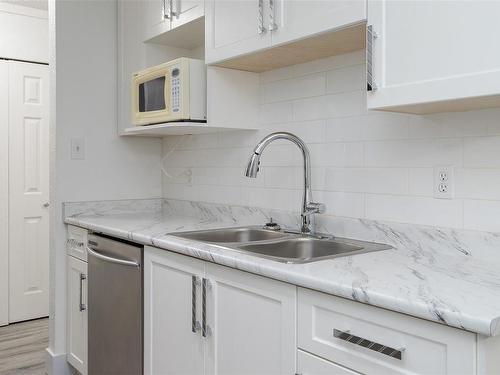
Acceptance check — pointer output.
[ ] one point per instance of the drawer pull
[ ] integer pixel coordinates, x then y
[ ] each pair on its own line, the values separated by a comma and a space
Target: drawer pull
386, 350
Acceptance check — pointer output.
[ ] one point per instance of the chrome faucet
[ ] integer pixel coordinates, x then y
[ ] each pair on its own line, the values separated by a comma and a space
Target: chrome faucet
308, 206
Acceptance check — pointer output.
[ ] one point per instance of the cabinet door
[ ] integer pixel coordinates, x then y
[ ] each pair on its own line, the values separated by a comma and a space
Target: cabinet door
295, 19
251, 324
232, 28
171, 307
76, 331
156, 17
308, 364
434, 51
184, 11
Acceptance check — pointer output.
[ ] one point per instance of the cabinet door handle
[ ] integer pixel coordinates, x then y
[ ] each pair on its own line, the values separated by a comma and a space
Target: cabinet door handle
372, 345
195, 325
82, 306
371, 35
205, 329
272, 24
177, 11
167, 9
260, 18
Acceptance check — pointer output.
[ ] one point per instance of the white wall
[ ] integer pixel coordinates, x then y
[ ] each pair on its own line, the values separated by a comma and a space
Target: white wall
365, 165
24, 33
85, 106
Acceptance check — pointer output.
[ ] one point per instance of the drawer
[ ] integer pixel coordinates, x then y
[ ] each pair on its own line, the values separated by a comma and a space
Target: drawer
308, 364
76, 244
371, 340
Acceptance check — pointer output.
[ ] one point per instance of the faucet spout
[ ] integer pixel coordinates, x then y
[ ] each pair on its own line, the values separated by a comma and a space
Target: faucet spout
308, 206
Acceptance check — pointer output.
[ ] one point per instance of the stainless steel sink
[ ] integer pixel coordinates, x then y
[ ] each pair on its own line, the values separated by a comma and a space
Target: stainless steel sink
306, 249
282, 246
233, 235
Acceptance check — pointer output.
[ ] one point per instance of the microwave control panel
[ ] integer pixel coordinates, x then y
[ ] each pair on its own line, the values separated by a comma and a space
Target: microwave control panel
175, 84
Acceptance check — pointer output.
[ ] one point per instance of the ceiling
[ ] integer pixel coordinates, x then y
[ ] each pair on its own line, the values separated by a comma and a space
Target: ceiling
38, 4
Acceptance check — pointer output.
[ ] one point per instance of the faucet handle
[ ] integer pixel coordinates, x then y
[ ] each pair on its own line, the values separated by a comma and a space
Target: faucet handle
316, 208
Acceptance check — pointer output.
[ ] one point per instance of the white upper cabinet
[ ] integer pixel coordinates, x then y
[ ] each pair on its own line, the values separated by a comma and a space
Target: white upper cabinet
162, 16
184, 11
157, 18
433, 56
295, 19
234, 28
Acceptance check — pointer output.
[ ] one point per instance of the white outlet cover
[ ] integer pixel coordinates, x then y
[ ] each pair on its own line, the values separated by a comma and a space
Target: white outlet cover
444, 182
77, 148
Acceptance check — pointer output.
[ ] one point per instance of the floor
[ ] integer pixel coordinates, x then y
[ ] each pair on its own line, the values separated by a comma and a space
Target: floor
22, 347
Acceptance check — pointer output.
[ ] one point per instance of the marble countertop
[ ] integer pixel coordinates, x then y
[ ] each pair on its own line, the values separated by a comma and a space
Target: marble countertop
459, 291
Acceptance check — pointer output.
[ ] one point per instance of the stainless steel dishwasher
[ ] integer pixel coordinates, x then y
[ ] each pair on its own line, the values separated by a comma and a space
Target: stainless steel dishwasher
115, 306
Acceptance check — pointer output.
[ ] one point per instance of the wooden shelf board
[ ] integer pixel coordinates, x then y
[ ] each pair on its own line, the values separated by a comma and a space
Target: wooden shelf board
335, 42
174, 128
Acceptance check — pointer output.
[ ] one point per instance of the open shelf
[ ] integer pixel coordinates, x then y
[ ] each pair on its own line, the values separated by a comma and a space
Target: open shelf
173, 128
189, 35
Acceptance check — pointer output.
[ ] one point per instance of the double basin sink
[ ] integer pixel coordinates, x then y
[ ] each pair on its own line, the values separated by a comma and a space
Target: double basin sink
282, 246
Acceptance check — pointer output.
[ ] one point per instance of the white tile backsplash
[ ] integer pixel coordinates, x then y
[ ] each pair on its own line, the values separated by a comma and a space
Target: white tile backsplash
482, 152
374, 165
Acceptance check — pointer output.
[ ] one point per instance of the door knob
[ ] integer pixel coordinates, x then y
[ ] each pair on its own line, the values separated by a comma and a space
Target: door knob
46, 205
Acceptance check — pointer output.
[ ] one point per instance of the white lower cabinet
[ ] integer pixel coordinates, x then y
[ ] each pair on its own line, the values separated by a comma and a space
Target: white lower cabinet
251, 321
247, 326
308, 364
376, 341
170, 345
76, 330
202, 318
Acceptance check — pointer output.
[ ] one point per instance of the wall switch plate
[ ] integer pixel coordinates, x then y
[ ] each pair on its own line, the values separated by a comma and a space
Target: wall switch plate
77, 148
444, 182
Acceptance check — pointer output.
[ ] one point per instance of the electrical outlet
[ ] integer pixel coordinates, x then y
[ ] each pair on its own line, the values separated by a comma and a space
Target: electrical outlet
77, 148
444, 182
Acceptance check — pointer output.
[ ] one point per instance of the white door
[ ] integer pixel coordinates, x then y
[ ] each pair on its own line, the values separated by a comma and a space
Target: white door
432, 56
251, 324
232, 28
4, 193
76, 319
172, 308
28, 196
186, 11
297, 19
308, 364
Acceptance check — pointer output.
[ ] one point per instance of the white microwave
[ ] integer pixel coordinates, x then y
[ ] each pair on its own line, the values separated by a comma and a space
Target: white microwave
173, 91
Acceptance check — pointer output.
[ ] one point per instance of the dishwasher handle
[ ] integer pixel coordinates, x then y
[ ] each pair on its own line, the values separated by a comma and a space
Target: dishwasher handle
106, 258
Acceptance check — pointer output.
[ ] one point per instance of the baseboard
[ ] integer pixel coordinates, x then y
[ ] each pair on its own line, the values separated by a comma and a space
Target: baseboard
56, 364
